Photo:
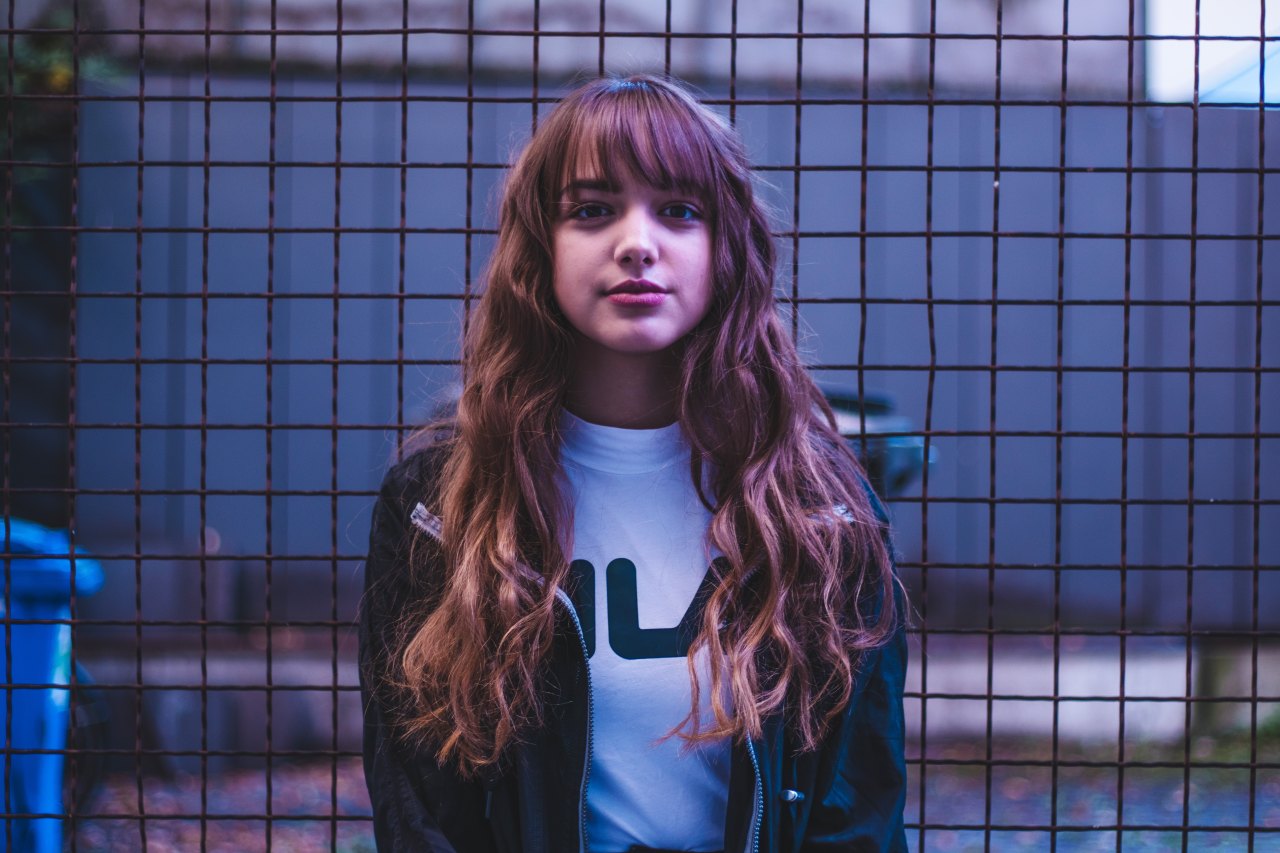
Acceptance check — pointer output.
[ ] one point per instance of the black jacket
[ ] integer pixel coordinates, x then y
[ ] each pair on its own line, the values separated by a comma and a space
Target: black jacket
847, 796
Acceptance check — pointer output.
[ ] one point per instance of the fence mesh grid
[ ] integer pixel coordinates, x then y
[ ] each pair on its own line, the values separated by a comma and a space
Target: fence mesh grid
241, 241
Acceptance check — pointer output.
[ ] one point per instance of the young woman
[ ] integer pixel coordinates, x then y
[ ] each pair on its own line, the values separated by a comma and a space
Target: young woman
635, 594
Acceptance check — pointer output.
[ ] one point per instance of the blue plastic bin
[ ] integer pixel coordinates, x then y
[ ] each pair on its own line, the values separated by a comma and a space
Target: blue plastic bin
39, 656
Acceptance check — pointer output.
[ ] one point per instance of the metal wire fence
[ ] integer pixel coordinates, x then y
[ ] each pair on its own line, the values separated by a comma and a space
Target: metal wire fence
239, 245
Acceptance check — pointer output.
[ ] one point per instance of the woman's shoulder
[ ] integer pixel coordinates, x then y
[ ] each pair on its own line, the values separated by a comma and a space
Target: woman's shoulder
415, 476
847, 468
394, 577
410, 491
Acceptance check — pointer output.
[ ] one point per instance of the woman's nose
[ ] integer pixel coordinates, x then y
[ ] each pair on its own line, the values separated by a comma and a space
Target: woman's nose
637, 245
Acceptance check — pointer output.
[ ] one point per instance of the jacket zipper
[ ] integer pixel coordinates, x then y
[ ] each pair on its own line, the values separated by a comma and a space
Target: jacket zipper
586, 762
757, 806
430, 524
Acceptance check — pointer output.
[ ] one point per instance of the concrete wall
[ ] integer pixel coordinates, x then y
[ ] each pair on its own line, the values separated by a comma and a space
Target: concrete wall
495, 36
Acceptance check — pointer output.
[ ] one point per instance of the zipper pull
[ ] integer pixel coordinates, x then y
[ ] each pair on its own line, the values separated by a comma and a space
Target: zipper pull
490, 783
790, 796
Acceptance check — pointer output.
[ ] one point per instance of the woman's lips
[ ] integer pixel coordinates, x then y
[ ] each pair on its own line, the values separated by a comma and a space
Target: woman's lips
637, 297
637, 292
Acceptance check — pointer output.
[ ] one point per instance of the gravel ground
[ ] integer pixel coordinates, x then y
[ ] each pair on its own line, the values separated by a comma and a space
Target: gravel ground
304, 796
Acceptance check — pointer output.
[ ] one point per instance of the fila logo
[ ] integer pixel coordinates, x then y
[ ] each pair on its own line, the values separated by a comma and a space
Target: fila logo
626, 637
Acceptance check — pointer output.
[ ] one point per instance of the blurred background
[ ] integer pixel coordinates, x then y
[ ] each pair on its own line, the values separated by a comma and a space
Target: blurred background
1029, 249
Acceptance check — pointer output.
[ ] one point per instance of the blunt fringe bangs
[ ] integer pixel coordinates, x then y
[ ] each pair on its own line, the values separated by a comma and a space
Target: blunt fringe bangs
657, 135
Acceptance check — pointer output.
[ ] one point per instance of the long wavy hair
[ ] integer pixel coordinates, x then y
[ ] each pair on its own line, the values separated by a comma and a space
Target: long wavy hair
800, 591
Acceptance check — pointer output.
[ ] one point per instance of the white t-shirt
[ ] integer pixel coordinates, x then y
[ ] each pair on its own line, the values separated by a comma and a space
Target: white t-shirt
640, 541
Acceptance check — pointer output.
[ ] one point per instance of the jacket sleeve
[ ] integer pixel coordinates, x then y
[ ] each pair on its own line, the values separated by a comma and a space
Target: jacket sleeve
862, 810
415, 800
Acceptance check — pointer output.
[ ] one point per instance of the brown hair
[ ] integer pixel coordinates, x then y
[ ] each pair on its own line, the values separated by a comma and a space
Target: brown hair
805, 565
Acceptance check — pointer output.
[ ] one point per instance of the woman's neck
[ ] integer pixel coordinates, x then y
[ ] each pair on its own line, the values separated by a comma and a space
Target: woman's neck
615, 389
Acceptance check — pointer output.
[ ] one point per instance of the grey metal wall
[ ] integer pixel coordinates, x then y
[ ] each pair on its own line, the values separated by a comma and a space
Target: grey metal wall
339, 308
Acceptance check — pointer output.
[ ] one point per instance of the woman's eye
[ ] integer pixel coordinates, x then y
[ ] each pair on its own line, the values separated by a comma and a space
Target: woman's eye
587, 211
683, 211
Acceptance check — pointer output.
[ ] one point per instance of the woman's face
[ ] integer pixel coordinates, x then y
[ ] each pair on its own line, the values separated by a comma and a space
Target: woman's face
632, 263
